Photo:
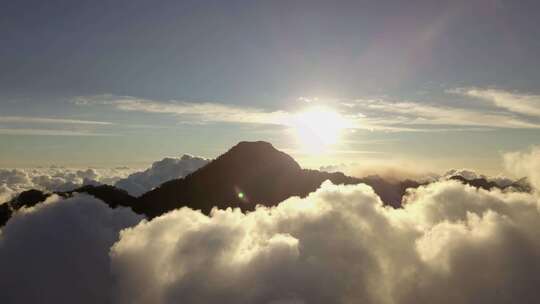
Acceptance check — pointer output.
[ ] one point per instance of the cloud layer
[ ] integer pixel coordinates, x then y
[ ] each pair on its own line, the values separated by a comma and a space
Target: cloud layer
509, 110
40, 126
57, 252
161, 171
450, 243
526, 104
48, 120
384, 114
525, 163
191, 111
13, 181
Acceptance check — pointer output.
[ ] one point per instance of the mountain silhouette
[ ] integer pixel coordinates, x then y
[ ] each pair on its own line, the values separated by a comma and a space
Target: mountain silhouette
521, 185
250, 173
28, 199
5, 213
390, 191
111, 195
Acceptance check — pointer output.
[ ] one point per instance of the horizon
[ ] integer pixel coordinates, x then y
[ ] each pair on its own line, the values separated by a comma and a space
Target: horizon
402, 170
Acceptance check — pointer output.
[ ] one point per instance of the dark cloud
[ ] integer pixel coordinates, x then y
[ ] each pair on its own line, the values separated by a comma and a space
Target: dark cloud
57, 252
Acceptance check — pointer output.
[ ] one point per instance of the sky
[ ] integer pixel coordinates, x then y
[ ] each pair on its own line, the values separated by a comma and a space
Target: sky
427, 83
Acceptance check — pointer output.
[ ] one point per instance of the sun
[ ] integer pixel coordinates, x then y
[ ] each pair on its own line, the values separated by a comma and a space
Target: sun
318, 128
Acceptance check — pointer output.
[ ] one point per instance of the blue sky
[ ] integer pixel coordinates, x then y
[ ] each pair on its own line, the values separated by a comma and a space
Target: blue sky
127, 82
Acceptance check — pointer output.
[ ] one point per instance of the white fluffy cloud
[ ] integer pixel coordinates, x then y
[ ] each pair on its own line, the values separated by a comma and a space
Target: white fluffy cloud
501, 180
525, 164
13, 181
160, 172
57, 252
450, 244
5, 193
465, 173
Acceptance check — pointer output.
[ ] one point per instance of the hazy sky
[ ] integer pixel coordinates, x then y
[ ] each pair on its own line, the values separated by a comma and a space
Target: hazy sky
432, 83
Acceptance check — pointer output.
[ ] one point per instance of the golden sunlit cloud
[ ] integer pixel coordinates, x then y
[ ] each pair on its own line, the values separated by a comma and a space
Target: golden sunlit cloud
318, 128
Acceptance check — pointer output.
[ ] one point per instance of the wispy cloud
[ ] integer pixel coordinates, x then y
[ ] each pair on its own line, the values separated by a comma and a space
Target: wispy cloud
198, 112
378, 114
512, 101
48, 132
46, 120
382, 114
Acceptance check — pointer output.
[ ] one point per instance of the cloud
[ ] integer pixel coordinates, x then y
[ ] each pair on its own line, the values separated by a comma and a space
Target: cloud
526, 104
161, 171
5, 193
235, 258
22, 125
361, 113
13, 181
195, 112
45, 120
50, 132
410, 116
525, 163
469, 174
465, 173
57, 252
391, 171
450, 244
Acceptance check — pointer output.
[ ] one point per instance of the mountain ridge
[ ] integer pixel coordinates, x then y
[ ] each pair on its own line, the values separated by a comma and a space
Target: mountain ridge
248, 174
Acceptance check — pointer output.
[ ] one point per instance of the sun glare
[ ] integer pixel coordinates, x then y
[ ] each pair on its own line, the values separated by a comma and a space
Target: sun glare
318, 128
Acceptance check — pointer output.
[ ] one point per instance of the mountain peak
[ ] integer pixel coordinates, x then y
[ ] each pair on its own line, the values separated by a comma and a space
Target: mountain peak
253, 145
258, 153
248, 174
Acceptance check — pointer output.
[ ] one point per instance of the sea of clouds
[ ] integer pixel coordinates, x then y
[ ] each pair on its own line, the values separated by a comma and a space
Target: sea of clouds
398, 172
450, 243
51, 179
161, 171
57, 251
54, 178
